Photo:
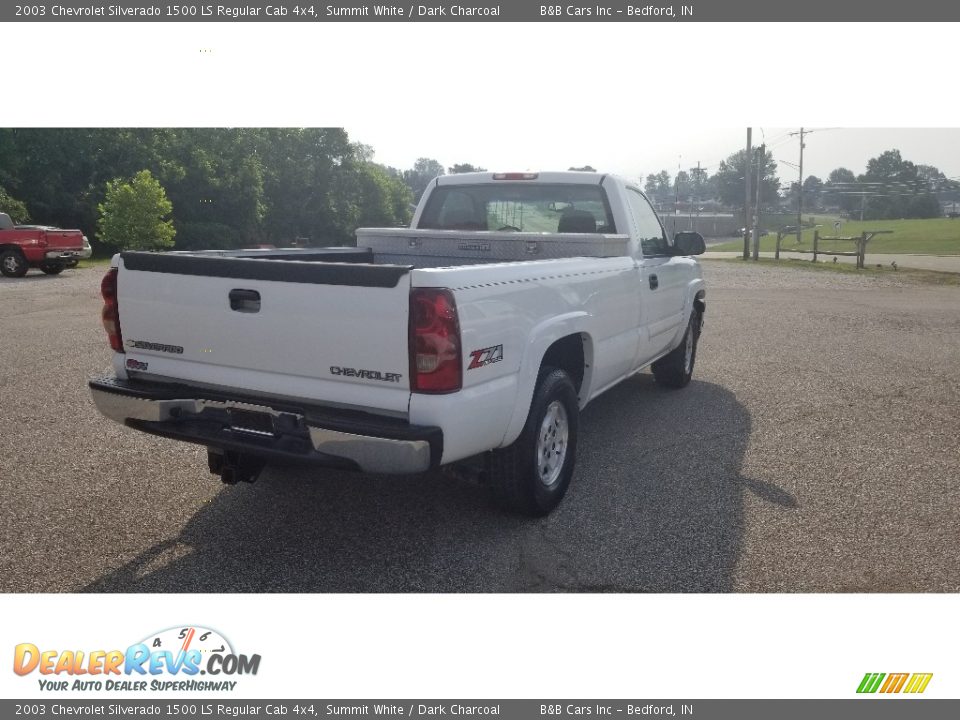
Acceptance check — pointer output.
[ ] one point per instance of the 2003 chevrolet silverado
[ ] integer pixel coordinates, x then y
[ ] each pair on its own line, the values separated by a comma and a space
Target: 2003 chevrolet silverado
478, 335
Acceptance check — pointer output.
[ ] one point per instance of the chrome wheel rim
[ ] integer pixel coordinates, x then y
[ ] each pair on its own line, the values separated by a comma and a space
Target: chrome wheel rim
552, 443
688, 353
10, 264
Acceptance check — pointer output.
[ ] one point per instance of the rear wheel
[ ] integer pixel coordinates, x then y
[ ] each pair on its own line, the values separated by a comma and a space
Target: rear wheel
13, 264
676, 368
532, 475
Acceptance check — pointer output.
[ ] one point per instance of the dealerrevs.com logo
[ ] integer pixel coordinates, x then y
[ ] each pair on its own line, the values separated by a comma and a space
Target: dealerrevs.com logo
178, 659
892, 683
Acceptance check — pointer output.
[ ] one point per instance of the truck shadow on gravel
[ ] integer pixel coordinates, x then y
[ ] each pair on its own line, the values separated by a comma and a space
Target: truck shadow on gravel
656, 505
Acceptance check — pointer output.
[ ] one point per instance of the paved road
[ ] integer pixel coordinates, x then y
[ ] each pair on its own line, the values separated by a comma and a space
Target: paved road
939, 263
815, 451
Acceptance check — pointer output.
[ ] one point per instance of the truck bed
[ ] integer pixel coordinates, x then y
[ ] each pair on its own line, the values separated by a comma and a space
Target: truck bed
402, 247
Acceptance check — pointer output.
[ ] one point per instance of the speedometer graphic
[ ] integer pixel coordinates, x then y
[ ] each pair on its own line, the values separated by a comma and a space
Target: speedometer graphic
183, 639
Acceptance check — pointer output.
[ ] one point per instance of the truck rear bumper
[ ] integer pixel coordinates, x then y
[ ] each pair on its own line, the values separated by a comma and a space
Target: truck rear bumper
268, 429
62, 254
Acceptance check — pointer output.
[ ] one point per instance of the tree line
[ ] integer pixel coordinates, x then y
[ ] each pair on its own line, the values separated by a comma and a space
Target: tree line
226, 187
193, 188
890, 187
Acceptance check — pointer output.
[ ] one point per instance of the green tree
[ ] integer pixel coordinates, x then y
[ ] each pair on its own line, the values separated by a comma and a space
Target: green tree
585, 168
658, 186
13, 207
682, 185
465, 168
424, 170
731, 185
700, 186
133, 214
842, 190
304, 183
901, 190
812, 192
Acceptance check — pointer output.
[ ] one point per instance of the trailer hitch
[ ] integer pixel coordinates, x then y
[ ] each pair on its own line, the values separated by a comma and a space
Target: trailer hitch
234, 467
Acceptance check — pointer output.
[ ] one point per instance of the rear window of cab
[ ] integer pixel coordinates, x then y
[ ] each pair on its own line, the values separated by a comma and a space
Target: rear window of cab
519, 207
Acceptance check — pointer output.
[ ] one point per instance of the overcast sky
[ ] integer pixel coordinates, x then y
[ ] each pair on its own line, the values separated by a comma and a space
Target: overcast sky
632, 152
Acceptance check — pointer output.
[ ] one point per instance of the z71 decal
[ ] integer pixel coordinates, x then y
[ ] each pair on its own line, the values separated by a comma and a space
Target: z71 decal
485, 356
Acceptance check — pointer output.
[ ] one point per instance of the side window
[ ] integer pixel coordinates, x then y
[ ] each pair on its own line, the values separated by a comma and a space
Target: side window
652, 240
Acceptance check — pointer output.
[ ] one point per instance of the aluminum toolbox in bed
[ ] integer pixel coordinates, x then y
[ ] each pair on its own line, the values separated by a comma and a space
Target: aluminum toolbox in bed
434, 248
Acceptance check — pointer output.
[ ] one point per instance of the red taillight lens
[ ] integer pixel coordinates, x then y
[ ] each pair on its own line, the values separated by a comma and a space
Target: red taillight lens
435, 357
111, 310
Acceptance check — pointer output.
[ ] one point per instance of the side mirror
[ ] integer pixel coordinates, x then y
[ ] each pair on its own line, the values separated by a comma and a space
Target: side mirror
689, 243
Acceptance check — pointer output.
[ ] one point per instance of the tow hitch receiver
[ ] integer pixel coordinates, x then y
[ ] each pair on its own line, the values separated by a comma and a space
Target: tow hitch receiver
234, 467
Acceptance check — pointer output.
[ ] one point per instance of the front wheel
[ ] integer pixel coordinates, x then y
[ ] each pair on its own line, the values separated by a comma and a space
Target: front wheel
13, 264
676, 367
532, 475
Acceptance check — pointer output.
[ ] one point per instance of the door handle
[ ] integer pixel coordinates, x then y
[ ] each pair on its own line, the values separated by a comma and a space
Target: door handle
654, 282
245, 301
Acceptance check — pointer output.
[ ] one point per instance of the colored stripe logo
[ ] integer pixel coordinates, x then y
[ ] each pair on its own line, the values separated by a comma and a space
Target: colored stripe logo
914, 683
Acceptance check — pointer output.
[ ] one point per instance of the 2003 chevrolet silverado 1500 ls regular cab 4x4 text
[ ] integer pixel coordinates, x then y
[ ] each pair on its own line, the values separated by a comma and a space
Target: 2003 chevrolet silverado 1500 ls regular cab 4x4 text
477, 335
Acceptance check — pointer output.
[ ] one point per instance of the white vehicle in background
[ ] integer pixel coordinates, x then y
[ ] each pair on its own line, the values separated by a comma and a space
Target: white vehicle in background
476, 336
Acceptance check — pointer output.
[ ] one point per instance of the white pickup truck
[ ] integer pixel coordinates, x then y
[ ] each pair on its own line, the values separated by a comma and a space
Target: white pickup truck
476, 336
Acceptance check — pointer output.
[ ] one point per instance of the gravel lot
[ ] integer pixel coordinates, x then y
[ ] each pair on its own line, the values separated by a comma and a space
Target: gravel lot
816, 451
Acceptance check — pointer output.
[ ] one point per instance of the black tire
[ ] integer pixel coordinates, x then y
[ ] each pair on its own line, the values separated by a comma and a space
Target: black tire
676, 368
52, 269
532, 475
13, 264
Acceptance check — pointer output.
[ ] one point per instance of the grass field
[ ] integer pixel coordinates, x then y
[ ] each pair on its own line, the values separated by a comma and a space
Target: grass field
929, 277
937, 236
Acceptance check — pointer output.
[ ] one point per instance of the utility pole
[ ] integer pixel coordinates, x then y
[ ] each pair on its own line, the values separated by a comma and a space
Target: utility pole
676, 193
800, 192
746, 204
761, 162
698, 197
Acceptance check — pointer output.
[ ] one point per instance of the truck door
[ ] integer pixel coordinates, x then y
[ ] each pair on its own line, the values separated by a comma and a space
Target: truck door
661, 281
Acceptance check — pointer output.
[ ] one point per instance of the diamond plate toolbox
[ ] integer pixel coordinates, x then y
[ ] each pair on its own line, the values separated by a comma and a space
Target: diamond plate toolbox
427, 248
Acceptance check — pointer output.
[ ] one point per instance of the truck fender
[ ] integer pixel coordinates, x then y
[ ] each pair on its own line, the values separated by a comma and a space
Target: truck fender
541, 338
694, 290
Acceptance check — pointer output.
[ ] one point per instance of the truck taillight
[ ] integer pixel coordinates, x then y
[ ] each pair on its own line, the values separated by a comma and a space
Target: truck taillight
111, 310
435, 357
516, 176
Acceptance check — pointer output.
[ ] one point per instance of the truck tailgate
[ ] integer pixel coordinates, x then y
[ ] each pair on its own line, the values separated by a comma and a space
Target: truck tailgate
64, 240
328, 332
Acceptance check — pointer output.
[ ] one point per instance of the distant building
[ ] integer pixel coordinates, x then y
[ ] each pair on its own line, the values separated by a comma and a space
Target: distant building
707, 224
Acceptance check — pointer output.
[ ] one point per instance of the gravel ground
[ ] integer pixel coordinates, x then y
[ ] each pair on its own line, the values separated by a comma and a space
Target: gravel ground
816, 451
